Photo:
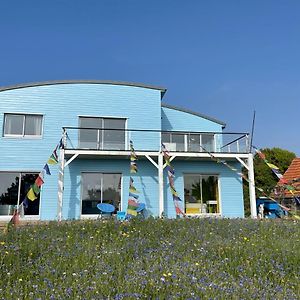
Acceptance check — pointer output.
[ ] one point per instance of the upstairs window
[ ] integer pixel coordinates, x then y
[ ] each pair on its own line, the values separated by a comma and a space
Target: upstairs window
102, 133
22, 125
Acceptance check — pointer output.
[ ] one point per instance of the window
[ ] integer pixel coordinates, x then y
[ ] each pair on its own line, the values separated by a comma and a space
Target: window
102, 133
22, 125
201, 194
13, 190
100, 188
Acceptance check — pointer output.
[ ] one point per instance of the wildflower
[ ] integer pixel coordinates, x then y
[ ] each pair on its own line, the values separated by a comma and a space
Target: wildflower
2, 243
197, 264
20, 279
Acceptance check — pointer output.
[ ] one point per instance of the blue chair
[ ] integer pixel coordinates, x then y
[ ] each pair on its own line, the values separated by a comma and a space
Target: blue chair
121, 215
106, 209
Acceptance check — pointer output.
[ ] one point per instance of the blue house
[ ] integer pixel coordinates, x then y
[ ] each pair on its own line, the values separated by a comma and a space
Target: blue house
96, 120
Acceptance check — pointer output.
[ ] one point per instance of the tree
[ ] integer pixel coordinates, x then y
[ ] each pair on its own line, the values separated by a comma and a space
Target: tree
264, 177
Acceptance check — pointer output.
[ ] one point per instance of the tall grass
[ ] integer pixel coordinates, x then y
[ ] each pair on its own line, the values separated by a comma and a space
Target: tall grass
152, 259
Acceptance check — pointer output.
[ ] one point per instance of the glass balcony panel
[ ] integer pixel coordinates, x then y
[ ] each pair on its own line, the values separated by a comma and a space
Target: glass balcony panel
194, 142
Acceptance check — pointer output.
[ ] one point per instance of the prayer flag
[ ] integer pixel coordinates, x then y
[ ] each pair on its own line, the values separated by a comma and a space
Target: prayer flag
52, 160
39, 181
31, 195
36, 189
132, 212
272, 166
133, 195
46, 168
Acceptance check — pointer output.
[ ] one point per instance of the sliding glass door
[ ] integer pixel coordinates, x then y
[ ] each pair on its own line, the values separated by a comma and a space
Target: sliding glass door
201, 194
100, 188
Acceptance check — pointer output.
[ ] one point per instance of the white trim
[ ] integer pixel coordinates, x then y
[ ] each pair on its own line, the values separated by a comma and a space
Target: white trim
21, 136
71, 159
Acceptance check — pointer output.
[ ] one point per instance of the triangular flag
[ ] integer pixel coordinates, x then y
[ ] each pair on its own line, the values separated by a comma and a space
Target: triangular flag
52, 160
46, 168
30, 195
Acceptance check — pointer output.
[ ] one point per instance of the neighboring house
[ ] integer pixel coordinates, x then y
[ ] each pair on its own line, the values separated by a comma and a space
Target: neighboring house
97, 119
290, 195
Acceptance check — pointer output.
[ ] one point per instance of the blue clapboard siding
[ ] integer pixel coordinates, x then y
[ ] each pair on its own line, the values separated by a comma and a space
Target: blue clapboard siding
173, 119
61, 104
231, 192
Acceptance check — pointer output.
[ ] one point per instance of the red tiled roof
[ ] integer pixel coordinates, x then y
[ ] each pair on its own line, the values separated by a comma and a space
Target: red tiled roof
293, 172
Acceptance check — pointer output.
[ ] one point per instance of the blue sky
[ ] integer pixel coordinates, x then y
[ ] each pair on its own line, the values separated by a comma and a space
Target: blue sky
221, 58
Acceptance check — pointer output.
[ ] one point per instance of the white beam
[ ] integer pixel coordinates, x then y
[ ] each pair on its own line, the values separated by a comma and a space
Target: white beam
71, 159
243, 163
251, 186
152, 161
60, 184
160, 184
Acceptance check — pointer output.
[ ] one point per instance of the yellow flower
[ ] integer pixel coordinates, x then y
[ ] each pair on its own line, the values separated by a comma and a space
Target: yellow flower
197, 264
169, 274
2, 243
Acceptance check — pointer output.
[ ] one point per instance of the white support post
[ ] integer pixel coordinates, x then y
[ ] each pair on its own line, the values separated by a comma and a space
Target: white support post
61, 181
251, 186
161, 183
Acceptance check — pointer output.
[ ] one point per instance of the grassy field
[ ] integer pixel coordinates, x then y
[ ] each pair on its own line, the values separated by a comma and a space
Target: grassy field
152, 259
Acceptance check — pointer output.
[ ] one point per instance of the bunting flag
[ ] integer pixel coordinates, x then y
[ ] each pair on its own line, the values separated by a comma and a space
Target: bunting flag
36, 188
31, 195
133, 203
53, 160
274, 168
171, 176
39, 181
47, 170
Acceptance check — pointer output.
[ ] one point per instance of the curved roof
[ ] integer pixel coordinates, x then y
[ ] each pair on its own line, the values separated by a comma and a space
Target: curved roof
19, 86
194, 113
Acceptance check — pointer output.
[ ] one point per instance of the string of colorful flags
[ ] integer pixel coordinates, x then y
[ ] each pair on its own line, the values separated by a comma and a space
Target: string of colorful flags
243, 176
35, 188
133, 203
171, 176
285, 183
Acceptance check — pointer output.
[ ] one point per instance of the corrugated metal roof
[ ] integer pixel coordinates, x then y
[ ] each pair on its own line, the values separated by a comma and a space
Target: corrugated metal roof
32, 84
194, 113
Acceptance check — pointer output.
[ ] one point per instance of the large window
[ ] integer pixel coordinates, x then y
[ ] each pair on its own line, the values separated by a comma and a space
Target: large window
22, 125
201, 194
13, 190
102, 133
100, 188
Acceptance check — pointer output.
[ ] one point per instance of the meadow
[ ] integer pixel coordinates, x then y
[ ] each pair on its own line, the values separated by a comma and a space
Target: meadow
152, 259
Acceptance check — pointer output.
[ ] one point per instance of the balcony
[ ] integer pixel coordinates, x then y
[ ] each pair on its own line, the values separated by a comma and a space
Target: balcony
104, 140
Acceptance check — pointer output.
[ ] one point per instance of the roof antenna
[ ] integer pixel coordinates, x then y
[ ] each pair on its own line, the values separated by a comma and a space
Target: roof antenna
252, 132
